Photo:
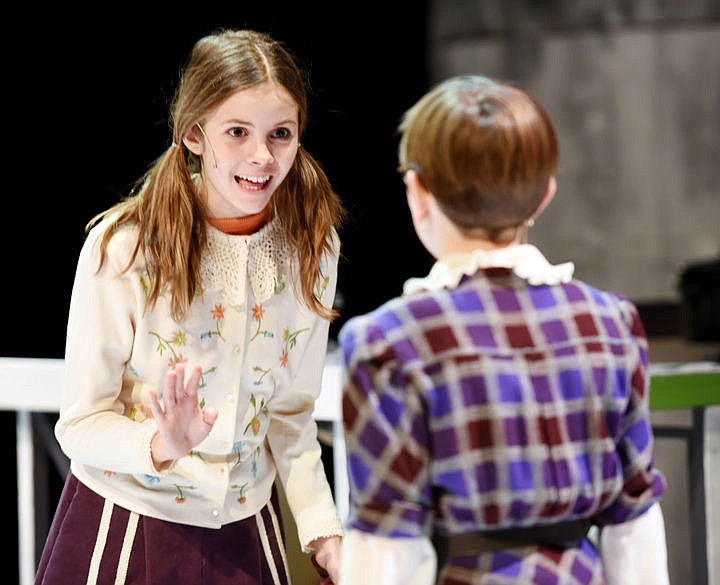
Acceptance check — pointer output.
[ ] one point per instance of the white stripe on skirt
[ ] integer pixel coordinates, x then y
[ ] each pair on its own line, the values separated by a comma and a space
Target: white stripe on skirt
124, 560
266, 543
278, 536
100, 543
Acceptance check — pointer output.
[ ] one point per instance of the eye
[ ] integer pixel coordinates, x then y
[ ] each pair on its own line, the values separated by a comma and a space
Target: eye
282, 133
238, 132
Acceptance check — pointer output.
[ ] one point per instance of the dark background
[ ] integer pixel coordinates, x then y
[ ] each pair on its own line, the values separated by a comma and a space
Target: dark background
87, 98
89, 115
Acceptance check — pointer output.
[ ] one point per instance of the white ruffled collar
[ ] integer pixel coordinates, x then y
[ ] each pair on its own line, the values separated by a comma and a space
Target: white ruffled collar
230, 261
525, 260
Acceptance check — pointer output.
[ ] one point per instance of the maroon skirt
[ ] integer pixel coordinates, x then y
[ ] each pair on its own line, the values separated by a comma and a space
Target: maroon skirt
92, 541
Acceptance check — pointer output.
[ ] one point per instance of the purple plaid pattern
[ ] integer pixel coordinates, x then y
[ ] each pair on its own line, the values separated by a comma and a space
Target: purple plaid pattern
499, 404
546, 566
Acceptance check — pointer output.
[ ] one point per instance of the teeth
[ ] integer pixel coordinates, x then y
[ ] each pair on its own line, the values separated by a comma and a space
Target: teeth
257, 180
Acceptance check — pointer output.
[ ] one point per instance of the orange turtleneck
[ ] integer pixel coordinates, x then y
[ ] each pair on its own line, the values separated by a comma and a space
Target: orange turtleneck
242, 226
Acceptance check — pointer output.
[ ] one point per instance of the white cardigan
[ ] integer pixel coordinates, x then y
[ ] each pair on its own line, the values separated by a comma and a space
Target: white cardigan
262, 354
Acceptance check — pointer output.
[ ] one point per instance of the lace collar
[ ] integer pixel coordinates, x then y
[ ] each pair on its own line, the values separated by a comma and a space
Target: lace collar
524, 260
229, 262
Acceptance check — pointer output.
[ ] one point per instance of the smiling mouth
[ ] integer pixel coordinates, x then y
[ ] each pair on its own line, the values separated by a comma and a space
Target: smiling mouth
253, 183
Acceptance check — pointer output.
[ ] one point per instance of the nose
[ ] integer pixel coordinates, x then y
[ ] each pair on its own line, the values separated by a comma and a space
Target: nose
260, 153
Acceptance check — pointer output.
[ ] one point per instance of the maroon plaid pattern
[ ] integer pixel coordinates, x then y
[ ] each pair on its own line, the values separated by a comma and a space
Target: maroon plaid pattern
499, 404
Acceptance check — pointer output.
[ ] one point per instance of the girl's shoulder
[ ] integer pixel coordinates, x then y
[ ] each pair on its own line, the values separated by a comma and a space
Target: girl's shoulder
120, 240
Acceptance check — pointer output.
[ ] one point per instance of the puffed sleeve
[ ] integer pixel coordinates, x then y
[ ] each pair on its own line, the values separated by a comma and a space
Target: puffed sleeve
635, 551
388, 441
388, 461
643, 483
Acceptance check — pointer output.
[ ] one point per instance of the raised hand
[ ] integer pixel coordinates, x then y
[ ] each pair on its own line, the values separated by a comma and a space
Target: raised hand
181, 423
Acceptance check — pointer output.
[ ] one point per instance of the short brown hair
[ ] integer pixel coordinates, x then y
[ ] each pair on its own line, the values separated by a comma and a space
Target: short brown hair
484, 148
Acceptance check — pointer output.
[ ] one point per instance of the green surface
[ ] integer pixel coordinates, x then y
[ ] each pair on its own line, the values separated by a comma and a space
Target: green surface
684, 390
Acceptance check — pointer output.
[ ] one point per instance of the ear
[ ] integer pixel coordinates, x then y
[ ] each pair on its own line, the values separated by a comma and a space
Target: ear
547, 198
193, 142
417, 197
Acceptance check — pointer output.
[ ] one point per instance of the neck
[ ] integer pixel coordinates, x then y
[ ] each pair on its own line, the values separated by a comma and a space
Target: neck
242, 226
447, 238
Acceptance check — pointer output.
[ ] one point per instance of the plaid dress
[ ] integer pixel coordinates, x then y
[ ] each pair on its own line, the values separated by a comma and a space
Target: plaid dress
494, 403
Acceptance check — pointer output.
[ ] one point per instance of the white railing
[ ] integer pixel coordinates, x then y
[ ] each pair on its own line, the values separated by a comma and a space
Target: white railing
34, 385
29, 385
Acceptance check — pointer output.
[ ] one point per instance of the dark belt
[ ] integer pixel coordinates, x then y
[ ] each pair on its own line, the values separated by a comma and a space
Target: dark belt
568, 534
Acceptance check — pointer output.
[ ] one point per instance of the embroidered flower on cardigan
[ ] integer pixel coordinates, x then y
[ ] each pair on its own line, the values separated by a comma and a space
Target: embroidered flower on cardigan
237, 449
203, 383
289, 340
258, 313
179, 338
322, 282
241, 496
258, 409
180, 498
218, 314
263, 372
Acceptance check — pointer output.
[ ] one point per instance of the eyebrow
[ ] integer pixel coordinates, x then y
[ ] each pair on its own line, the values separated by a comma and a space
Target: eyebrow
287, 122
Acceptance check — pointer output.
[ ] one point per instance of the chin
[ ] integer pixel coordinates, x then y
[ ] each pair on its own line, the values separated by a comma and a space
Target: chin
252, 208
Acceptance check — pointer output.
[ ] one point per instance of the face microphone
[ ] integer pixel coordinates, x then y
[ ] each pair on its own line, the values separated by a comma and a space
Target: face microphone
209, 144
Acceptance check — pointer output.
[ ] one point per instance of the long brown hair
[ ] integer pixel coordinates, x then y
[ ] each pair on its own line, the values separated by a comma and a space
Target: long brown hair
168, 209
486, 149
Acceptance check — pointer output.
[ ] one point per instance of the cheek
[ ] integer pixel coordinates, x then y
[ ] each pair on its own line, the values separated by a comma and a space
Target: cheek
285, 157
